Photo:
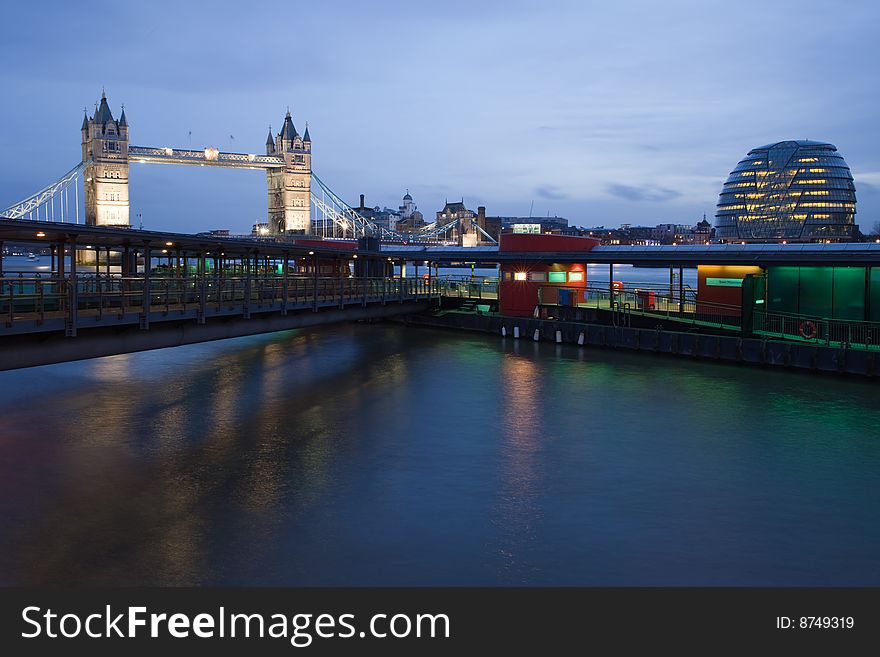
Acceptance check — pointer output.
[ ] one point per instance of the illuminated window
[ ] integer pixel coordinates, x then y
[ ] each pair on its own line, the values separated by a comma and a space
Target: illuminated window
537, 276
519, 276
575, 276
556, 276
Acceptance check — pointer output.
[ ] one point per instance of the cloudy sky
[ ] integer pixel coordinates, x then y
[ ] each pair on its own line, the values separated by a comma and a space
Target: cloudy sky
604, 113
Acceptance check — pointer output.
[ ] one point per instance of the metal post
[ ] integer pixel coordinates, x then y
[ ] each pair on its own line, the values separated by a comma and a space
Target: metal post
73, 303
1, 258
315, 287
680, 290
145, 303
246, 306
340, 281
203, 288
285, 268
611, 285
60, 259
125, 269
108, 261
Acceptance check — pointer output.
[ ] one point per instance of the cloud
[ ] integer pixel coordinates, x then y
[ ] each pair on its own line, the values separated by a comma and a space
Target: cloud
867, 177
550, 192
646, 193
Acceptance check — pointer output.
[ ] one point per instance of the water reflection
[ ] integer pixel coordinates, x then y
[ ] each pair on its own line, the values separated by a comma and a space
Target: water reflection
522, 433
384, 455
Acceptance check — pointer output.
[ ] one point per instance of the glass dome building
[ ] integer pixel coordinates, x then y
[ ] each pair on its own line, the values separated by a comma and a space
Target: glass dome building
791, 190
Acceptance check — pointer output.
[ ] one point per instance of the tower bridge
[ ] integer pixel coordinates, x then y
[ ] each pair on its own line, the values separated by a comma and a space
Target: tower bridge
298, 200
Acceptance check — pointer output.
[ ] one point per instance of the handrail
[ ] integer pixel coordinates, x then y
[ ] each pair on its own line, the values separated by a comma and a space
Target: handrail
41, 298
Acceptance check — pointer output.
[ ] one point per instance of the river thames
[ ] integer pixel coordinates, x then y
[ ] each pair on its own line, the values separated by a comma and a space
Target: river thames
386, 455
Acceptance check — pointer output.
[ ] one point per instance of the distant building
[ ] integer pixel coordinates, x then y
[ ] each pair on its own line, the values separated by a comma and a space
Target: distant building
703, 232
472, 227
382, 217
527, 225
627, 234
409, 213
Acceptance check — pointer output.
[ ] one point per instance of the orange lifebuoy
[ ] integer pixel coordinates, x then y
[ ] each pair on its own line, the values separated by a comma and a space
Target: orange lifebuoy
807, 330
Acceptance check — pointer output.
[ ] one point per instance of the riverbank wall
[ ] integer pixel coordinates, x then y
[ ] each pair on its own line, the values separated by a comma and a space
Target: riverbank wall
782, 354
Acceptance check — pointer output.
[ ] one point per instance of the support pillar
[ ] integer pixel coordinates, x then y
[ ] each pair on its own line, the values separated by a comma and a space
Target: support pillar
611, 285
285, 267
125, 269
248, 272
315, 283
680, 290
1, 258
147, 294
60, 259
203, 288
72, 292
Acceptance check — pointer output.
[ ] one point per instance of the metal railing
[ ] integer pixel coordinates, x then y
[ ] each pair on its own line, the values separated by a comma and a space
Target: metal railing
652, 302
38, 299
469, 287
821, 330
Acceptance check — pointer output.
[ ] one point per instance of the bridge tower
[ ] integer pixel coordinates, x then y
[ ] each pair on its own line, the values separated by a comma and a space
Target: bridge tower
290, 186
105, 143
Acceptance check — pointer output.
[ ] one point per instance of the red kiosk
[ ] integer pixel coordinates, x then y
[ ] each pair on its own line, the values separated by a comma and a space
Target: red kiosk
521, 280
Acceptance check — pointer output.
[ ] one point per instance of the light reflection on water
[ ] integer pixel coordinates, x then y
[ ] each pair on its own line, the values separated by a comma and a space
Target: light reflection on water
379, 454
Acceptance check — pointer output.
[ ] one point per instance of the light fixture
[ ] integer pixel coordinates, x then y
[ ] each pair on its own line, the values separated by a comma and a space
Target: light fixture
311, 253
42, 234
164, 250
519, 276
355, 256
169, 243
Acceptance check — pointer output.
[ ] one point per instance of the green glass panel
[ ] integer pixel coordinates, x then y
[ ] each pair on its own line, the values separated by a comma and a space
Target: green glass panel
782, 289
849, 293
816, 290
556, 277
874, 295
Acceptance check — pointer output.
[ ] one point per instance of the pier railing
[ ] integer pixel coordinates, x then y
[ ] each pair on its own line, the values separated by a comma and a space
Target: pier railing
36, 300
645, 301
822, 330
467, 287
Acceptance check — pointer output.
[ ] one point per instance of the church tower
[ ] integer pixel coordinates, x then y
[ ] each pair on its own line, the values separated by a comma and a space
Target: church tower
105, 143
290, 186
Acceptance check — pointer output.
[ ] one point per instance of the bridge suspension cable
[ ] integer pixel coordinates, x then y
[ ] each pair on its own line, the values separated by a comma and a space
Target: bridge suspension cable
435, 230
53, 202
341, 219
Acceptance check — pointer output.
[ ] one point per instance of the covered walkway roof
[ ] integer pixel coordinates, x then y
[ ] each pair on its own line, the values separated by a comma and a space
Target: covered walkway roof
42, 232
851, 253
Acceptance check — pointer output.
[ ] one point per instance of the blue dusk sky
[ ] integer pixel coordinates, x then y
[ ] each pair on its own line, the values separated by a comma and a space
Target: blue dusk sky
601, 112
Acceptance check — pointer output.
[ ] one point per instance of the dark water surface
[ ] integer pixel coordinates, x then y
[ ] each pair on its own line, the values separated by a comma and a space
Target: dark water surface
387, 455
